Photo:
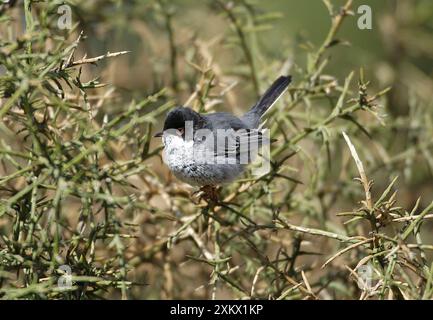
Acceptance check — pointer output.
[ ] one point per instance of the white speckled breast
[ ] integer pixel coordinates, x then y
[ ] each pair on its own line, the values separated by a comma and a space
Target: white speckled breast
193, 164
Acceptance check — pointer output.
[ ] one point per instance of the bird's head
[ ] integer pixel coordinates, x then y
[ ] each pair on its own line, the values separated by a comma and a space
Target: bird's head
178, 118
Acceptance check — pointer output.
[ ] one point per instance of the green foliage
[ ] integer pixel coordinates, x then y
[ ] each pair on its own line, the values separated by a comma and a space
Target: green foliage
82, 186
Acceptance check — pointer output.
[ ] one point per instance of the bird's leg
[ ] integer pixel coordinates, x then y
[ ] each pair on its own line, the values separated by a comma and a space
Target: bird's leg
207, 193
210, 193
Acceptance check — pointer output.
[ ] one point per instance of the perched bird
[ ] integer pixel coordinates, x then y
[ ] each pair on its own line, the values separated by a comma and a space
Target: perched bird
207, 150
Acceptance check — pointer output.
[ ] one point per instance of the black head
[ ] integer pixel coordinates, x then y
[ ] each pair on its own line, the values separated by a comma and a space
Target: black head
177, 117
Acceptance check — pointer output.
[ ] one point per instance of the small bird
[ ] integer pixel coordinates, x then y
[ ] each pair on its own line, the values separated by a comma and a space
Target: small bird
210, 149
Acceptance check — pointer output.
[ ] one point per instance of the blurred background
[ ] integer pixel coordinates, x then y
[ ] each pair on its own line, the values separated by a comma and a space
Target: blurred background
220, 56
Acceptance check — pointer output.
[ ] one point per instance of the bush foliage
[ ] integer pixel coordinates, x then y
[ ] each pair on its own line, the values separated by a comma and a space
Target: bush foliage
83, 187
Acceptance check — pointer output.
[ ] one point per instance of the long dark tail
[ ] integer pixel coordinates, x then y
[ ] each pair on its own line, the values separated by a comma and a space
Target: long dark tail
266, 101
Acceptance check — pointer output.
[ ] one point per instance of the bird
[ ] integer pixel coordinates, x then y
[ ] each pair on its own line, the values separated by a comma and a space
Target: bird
212, 149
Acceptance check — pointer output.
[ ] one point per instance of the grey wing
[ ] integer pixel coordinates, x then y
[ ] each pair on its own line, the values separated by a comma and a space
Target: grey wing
233, 141
245, 144
224, 120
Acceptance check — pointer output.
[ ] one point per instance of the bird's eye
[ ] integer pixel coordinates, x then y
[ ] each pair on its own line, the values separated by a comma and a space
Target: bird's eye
180, 131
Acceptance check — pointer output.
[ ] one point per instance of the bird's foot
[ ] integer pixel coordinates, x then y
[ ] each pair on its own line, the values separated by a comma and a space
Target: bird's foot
208, 193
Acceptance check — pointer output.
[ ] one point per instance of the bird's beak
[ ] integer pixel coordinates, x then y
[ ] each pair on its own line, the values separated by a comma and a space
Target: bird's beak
158, 135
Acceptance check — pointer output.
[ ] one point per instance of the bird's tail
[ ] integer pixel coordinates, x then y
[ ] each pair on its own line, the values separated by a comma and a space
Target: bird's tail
267, 100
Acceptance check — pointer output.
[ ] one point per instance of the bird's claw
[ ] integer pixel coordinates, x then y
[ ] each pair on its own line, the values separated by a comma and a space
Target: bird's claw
208, 193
